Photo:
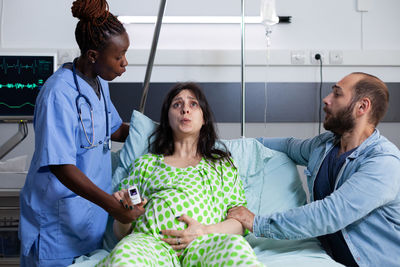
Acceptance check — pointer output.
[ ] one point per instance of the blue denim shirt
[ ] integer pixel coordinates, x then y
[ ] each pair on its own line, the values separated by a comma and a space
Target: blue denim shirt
365, 205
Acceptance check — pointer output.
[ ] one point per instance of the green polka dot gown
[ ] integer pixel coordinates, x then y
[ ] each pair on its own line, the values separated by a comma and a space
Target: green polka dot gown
204, 192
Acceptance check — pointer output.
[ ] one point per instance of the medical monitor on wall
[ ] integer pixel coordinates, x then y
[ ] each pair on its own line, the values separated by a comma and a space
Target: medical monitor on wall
22, 75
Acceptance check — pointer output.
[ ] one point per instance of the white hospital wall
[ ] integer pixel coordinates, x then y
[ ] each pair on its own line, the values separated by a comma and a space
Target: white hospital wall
211, 52
316, 24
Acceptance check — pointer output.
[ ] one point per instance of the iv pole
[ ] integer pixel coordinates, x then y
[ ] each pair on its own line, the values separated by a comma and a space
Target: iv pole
152, 55
243, 85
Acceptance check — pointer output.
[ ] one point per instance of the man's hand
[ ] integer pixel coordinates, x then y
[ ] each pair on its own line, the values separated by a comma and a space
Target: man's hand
180, 239
243, 215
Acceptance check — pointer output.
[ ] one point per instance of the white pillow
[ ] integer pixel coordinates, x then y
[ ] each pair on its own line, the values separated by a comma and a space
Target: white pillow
136, 145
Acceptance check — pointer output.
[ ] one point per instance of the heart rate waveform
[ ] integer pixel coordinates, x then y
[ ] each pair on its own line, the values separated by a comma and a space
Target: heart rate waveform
21, 79
40, 66
20, 86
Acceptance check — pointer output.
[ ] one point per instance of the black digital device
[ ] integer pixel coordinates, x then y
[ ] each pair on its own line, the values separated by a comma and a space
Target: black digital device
22, 75
133, 192
134, 195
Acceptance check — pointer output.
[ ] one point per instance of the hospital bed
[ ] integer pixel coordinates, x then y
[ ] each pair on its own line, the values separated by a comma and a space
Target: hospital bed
271, 183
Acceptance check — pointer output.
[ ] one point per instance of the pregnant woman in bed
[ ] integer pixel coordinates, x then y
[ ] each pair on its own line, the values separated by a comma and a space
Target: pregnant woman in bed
189, 185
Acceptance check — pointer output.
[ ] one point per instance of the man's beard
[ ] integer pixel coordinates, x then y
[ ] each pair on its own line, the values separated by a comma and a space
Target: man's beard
342, 122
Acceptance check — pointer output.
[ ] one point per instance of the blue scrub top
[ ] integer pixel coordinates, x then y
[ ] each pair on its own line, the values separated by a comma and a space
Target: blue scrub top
65, 224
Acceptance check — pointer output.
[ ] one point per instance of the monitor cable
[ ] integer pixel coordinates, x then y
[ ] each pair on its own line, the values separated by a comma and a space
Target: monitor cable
319, 58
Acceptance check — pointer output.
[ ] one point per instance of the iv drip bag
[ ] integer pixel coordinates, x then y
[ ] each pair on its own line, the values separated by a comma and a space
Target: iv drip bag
268, 13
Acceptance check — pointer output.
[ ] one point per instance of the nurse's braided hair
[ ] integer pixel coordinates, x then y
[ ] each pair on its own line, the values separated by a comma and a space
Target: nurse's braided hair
96, 24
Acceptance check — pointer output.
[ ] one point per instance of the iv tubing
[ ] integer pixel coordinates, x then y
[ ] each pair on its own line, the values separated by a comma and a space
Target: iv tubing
243, 85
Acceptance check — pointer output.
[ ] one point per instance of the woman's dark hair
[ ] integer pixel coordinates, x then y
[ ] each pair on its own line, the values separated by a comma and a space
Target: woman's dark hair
164, 142
96, 24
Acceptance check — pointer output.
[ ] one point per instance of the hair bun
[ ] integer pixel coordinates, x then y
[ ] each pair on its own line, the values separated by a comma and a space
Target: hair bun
89, 10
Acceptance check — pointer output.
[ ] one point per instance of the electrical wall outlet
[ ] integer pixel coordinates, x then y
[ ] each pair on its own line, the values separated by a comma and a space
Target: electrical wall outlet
336, 57
314, 61
298, 57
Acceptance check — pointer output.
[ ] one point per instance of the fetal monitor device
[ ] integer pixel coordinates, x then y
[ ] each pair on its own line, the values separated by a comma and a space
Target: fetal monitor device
134, 195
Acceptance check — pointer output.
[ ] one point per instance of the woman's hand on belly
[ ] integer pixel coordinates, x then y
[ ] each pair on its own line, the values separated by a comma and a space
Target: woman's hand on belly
180, 239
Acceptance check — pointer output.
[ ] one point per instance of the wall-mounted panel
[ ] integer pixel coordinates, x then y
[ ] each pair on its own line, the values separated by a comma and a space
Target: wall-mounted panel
286, 102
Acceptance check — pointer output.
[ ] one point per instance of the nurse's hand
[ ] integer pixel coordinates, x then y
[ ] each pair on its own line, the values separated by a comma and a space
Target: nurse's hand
181, 239
126, 211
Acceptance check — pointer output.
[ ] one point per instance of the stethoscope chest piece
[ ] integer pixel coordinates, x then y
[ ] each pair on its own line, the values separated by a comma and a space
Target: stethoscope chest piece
107, 145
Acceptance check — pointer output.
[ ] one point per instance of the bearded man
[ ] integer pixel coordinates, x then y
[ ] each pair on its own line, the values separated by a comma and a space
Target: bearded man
353, 176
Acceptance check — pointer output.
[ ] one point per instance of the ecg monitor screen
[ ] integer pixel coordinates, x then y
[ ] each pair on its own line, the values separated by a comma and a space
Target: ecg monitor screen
21, 78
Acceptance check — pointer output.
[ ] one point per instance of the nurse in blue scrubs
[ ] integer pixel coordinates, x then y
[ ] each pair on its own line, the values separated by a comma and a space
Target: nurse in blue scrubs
66, 197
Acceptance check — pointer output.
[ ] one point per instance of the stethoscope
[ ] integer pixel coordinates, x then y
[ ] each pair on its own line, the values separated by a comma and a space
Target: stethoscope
106, 143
